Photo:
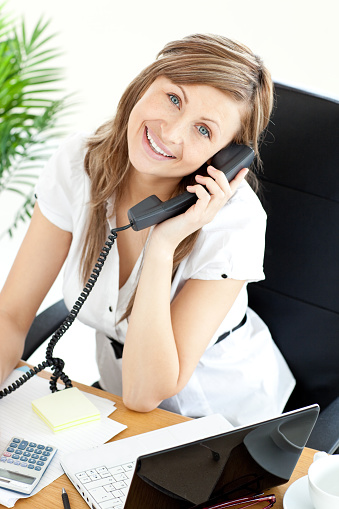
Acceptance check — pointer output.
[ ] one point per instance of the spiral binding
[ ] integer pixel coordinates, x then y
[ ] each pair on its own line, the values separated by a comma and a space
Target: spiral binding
55, 363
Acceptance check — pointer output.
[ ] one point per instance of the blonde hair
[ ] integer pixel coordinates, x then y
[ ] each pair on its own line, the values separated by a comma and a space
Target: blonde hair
197, 59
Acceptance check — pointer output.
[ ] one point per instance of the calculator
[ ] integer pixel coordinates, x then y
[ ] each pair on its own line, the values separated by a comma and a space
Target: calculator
23, 463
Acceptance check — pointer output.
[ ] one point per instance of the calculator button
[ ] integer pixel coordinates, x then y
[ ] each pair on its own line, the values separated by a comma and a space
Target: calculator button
32, 444
37, 468
30, 467
16, 440
24, 464
41, 446
12, 444
35, 456
31, 461
43, 458
46, 453
30, 449
3, 459
23, 458
23, 445
16, 462
50, 449
27, 453
10, 460
41, 463
8, 454
15, 456
10, 449
37, 451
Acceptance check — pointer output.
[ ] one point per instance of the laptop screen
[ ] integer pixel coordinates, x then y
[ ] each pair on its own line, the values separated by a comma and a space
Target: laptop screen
241, 462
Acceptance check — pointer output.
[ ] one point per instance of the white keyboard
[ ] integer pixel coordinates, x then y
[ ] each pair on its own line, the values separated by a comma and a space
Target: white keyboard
107, 485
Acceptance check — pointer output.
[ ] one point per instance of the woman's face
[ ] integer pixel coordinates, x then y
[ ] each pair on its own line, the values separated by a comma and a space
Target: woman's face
174, 129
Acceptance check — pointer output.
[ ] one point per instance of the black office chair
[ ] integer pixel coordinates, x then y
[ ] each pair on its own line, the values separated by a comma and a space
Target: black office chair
299, 299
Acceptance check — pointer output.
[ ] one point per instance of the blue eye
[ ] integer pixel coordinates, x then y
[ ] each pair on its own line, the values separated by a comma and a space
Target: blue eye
175, 100
204, 131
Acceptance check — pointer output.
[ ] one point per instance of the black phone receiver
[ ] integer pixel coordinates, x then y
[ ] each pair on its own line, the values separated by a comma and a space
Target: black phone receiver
152, 210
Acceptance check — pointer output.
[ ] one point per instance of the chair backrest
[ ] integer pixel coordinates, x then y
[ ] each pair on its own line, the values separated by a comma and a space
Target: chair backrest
299, 300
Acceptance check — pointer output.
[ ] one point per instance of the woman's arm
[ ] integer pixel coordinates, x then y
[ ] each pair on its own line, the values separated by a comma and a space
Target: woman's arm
165, 341
37, 264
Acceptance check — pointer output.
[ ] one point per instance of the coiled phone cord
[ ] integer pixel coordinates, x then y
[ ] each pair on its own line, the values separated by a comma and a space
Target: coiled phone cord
55, 363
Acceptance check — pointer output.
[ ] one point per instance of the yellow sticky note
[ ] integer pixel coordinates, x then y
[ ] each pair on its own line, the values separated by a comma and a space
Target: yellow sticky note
65, 409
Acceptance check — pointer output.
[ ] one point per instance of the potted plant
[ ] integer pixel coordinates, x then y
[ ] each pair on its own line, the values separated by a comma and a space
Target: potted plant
30, 110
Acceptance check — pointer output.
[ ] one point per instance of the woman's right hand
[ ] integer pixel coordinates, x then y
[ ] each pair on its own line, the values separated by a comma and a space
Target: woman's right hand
213, 192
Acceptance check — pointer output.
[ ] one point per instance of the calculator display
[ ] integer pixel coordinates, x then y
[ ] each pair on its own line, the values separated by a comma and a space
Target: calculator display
15, 476
23, 463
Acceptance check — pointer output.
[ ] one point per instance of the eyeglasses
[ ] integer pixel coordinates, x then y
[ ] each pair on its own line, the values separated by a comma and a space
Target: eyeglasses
253, 500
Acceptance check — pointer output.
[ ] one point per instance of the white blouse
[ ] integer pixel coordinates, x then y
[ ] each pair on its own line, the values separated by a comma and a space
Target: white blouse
244, 377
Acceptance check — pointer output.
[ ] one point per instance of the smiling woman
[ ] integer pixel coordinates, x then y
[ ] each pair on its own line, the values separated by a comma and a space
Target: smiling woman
183, 126
170, 307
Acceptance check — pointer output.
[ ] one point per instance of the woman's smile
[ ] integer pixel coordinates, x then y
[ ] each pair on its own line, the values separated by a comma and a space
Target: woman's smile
158, 149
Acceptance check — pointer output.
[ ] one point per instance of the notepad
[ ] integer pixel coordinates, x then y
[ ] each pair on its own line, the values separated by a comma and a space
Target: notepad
65, 409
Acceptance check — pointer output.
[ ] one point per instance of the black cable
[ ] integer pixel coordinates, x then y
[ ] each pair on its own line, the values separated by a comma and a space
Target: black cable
55, 363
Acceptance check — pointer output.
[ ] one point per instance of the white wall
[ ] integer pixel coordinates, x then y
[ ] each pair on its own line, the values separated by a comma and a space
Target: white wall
107, 42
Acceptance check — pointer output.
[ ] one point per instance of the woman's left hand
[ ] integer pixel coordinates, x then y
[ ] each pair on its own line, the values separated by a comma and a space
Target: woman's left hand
213, 192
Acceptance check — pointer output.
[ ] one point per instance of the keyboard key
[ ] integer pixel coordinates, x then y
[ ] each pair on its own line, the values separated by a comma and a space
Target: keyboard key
100, 495
94, 477
119, 485
80, 475
91, 472
120, 477
85, 480
128, 467
111, 504
102, 470
116, 470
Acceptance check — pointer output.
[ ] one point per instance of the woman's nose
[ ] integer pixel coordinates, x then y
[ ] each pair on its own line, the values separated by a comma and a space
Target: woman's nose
173, 132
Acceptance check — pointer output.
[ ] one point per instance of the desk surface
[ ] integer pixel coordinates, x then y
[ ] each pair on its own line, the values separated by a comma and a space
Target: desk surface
50, 497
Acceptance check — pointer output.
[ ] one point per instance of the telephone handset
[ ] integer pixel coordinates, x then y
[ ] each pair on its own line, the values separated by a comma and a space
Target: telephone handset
152, 210
148, 212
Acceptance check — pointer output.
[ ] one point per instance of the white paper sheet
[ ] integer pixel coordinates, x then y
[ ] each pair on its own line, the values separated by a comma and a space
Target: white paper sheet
18, 418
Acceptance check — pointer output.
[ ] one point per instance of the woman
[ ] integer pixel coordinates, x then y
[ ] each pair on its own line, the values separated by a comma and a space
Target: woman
170, 293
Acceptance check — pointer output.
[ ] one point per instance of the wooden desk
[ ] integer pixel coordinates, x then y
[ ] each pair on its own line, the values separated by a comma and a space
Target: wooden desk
50, 497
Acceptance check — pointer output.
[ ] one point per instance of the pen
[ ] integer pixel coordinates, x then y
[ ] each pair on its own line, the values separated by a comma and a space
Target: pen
65, 500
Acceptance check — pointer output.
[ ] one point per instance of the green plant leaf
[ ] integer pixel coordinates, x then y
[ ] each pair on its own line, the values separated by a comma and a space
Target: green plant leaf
31, 106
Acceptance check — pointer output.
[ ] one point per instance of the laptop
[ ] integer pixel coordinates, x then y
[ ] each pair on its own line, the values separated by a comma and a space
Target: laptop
214, 465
